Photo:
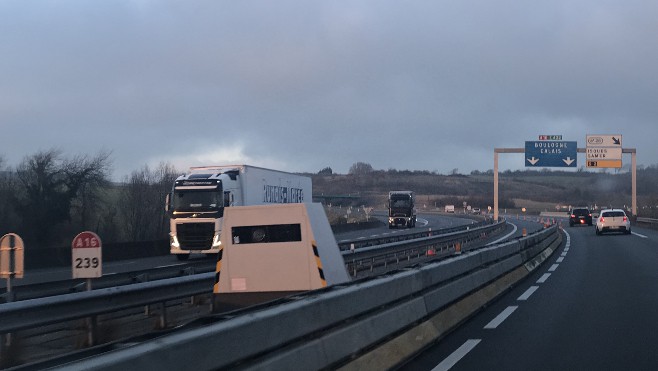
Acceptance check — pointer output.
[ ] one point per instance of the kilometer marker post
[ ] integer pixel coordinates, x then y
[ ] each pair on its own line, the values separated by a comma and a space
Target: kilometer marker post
87, 262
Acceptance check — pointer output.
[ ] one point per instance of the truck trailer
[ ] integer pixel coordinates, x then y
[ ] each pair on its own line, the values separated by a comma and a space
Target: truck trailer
401, 209
197, 200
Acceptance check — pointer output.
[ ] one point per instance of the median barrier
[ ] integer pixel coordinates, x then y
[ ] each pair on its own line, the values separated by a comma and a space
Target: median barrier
647, 222
373, 323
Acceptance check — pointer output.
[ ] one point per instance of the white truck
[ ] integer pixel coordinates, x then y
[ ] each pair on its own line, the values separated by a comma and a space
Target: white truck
197, 201
450, 208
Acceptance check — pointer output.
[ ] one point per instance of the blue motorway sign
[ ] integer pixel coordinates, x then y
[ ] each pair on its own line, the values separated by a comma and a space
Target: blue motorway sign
551, 153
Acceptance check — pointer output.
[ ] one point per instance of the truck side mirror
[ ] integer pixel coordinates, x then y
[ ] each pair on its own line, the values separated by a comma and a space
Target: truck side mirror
167, 197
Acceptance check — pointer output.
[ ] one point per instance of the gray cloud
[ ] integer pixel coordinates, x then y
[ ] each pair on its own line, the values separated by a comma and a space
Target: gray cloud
304, 85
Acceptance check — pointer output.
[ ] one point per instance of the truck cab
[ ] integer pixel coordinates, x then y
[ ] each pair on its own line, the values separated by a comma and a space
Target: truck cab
401, 209
197, 201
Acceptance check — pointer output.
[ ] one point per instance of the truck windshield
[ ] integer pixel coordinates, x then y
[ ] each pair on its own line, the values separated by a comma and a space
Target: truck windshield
400, 202
197, 200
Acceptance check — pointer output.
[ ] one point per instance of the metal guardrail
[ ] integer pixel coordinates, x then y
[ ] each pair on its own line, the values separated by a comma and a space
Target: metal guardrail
52, 288
419, 233
325, 329
32, 313
367, 258
47, 310
647, 220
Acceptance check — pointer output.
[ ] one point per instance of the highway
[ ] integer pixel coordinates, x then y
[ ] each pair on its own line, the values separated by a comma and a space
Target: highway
181, 312
435, 221
512, 231
591, 306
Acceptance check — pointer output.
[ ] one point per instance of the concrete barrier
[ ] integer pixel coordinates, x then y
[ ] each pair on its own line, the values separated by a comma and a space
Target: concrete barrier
369, 324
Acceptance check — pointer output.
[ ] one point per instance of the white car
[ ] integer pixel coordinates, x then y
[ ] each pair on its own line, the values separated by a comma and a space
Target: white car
613, 220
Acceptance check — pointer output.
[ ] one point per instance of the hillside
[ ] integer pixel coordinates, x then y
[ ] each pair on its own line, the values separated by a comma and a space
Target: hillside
534, 190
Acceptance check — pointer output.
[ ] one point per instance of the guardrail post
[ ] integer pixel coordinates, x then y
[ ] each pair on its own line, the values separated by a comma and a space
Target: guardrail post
188, 272
144, 277
163, 315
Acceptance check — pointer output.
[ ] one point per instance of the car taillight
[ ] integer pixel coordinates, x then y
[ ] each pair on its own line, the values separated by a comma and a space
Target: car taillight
573, 215
625, 218
602, 220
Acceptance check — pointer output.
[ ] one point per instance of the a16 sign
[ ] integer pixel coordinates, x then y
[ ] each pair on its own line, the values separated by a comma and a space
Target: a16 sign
87, 255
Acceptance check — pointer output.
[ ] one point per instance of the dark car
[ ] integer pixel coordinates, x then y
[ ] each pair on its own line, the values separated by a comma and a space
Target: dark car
580, 216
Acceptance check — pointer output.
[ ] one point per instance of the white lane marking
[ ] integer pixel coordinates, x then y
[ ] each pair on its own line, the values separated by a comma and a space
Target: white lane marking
564, 253
553, 267
457, 355
639, 235
560, 259
501, 317
566, 249
528, 292
506, 236
543, 278
425, 222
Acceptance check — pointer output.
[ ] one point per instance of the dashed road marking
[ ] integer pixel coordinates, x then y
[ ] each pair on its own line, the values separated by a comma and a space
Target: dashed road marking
543, 278
470, 344
528, 292
501, 317
457, 355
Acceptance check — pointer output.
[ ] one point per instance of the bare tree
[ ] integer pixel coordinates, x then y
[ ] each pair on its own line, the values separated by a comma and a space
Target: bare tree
49, 185
91, 176
8, 219
142, 202
360, 168
167, 174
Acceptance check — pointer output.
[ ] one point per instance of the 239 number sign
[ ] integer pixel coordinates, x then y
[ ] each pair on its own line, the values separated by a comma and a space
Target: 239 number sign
87, 255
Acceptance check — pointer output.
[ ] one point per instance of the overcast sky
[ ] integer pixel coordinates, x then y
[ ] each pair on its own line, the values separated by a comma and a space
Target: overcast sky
302, 85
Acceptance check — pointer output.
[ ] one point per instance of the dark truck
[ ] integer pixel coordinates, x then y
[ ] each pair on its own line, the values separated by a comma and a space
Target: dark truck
401, 209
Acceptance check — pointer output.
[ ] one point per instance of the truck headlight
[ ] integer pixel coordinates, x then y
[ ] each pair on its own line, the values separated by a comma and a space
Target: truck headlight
173, 240
215, 241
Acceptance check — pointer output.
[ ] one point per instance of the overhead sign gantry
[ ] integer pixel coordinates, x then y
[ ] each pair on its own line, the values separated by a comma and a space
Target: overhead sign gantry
602, 151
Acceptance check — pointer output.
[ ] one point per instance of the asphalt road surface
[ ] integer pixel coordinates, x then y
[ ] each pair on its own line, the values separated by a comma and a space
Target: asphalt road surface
593, 305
